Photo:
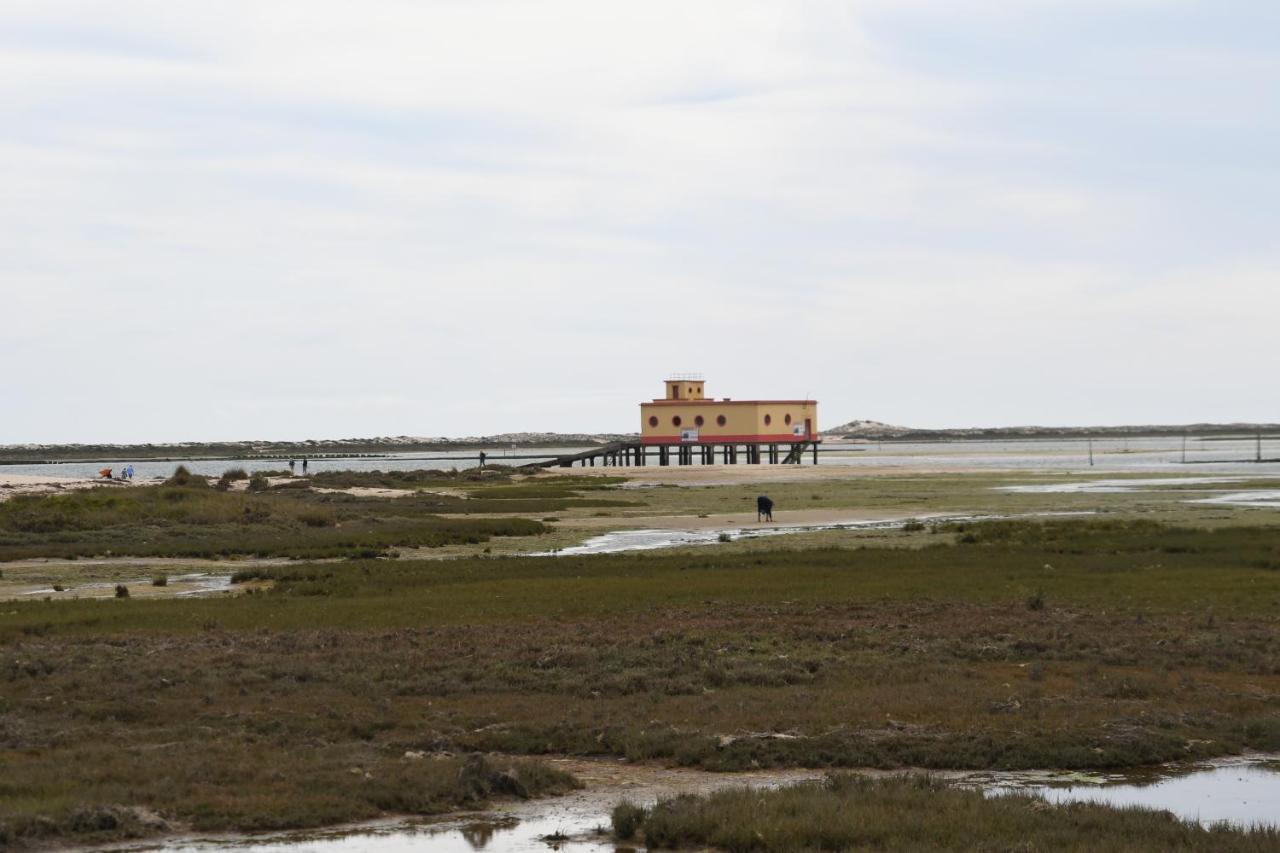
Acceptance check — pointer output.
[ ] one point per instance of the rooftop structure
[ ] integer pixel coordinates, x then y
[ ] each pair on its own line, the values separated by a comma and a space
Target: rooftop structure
685, 423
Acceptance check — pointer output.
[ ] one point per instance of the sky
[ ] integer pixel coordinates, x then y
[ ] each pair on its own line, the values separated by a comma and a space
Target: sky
314, 219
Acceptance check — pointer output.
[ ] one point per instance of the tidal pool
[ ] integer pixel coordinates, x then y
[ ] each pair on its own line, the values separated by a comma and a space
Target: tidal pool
1242, 791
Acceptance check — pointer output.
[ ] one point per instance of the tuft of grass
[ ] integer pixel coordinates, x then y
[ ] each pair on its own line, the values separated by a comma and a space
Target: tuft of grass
183, 477
230, 476
160, 580
627, 819
122, 591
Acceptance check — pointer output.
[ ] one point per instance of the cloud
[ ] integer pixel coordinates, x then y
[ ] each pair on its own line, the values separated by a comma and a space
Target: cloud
310, 218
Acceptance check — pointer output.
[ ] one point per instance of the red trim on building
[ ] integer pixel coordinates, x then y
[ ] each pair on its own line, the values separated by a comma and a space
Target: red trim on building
709, 401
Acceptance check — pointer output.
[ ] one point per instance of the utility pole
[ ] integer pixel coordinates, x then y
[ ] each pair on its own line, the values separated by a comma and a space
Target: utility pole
1184, 448
1090, 452
1259, 445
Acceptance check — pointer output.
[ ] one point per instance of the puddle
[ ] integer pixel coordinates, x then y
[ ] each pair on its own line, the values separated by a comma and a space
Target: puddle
649, 540
1243, 791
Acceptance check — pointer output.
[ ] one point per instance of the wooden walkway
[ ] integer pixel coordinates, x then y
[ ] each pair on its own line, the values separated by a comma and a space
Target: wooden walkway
633, 453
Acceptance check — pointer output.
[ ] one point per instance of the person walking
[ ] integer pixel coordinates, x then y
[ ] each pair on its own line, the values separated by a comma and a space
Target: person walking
292, 462
304, 466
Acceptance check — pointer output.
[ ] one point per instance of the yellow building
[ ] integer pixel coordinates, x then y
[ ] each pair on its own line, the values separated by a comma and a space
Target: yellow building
685, 416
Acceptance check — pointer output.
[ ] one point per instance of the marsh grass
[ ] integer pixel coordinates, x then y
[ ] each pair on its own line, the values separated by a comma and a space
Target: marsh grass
240, 785
827, 657
230, 476
913, 812
193, 520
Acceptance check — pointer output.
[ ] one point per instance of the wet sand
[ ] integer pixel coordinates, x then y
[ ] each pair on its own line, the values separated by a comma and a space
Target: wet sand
12, 485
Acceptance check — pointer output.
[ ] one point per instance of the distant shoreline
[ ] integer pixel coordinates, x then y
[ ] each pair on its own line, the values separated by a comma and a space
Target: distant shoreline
862, 431
857, 432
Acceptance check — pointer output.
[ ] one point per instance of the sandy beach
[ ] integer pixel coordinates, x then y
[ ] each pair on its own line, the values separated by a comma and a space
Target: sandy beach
25, 484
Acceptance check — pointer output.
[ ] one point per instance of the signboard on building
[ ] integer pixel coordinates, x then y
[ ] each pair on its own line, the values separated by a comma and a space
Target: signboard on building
798, 430
688, 435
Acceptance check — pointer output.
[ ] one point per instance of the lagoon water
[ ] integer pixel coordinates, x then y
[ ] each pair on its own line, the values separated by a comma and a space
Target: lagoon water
150, 469
1150, 455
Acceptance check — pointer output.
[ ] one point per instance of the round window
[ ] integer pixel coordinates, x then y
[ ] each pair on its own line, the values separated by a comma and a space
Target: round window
720, 420
768, 419
676, 421
698, 421
653, 420
787, 420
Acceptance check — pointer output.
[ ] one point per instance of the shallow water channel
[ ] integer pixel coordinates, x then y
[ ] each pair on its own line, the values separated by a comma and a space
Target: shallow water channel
650, 540
1241, 791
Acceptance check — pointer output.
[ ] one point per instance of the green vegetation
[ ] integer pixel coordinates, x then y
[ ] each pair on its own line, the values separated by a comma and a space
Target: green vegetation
253, 784
913, 813
1103, 642
185, 517
231, 476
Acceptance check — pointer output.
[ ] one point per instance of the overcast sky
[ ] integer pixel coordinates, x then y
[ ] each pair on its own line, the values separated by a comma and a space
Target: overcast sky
232, 220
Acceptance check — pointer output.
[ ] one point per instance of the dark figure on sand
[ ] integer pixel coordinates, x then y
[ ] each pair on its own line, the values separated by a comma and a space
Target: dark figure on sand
304, 465
764, 509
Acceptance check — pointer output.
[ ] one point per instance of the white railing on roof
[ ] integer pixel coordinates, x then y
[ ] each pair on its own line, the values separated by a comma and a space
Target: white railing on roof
684, 377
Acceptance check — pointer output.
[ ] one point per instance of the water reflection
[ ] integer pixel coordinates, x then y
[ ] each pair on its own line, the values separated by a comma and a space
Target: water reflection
1241, 792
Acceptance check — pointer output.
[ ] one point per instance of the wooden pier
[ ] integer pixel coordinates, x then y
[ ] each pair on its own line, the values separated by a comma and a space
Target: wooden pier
636, 454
